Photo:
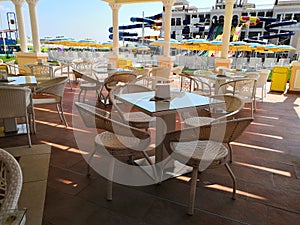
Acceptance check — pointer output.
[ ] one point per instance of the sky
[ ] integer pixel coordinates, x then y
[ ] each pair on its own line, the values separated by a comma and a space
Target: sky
82, 19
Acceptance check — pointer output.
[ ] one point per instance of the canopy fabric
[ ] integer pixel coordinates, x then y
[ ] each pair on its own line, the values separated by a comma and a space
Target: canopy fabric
161, 42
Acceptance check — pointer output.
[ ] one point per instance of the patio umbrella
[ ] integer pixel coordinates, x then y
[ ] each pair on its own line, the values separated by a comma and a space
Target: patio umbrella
238, 46
161, 42
193, 44
285, 48
107, 44
216, 46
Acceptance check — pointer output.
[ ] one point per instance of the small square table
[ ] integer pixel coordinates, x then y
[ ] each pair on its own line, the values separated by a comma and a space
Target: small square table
164, 109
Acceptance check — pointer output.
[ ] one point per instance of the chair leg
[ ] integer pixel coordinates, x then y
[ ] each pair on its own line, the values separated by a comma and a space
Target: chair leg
28, 131
146, 156
193, 191
233, 180
79, 95
32, 122
89, 162
230, 152
109, 181
60, 111
84, 95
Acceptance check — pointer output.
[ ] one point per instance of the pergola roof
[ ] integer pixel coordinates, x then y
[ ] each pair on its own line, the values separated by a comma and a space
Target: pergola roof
130, 1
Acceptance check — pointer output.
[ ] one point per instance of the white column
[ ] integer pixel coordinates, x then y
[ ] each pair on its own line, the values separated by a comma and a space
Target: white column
34, 25
167, 25
227, 28
115, 8
21, 27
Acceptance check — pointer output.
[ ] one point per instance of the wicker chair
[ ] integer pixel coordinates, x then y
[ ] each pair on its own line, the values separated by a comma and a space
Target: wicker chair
118, 139
82, 66
193, 84
41, 72
64, 69
16, 102
177, 70
91, 84
262, 82
11, 181
160, 74
206, 76
243, 88
51, 92
221, 107
116, 79
14, 69
202, 148
135, 119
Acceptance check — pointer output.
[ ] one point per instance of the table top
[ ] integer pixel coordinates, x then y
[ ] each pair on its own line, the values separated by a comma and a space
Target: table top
179, 100
22, 81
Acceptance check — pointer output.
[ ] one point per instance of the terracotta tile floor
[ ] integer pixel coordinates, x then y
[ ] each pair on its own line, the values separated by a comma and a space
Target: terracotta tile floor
266, 164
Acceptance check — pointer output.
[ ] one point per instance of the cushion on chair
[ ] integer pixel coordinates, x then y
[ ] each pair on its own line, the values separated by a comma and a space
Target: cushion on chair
198, 121
119, 145
200, 153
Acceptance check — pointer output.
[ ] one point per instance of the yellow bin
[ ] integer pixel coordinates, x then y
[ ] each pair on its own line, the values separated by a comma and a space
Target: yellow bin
279, 78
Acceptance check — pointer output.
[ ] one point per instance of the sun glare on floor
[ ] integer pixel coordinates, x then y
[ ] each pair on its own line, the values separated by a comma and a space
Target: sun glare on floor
269, 117
258, 147
262, 124
67, 182
61, 126
65, 148
50, 110
183, 178
271, 170
265, 135
228, 189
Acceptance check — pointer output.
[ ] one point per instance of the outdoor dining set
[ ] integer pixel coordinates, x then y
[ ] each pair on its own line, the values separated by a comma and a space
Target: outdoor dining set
195, 115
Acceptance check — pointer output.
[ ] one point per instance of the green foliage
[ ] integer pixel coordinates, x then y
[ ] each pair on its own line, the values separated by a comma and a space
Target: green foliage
5, 59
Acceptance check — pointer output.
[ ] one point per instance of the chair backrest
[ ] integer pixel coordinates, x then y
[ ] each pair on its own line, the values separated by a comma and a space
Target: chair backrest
145, 81
241, 61
254, 62
14, 101
269, 62
119, 78
161, 72
143, 72
254, 75
205, 76
263, 77
15, 69
11, 181
242, 87
124, 89
4, 67
220, 131
86, 77
177, 70
41, 72
225, 106
98, 118
82, 65
192, 83
55, 86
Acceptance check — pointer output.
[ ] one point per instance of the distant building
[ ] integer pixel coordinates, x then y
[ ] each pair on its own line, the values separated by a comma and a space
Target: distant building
192, 22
